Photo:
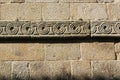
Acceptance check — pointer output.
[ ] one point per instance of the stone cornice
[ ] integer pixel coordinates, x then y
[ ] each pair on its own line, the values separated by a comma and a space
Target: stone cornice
60, 29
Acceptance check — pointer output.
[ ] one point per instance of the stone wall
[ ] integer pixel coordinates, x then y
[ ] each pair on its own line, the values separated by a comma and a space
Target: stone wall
61, 58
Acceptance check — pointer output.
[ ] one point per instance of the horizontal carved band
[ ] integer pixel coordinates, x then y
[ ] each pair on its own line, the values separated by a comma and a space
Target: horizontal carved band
105, 28
44, 29
59, 29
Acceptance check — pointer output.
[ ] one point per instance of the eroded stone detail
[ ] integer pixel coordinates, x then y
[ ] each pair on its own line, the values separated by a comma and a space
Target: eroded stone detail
60, 29
44, 29
105, 28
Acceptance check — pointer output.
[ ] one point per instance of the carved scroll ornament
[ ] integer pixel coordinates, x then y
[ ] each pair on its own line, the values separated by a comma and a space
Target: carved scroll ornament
105, 28
59, 29
44, 29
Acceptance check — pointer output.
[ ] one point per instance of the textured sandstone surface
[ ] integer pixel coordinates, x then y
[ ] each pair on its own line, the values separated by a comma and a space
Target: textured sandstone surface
63, 52
57, 58
97, 51
16, 51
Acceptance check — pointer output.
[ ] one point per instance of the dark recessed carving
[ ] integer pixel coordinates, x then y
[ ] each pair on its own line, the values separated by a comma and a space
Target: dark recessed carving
105, 28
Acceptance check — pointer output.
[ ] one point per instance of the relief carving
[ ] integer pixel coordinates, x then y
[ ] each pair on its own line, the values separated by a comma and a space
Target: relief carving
105, 28
59, 29
44, 29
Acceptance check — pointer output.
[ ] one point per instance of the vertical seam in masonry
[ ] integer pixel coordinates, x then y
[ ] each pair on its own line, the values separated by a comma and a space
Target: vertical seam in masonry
0, 11
107, 11
71, 69
91, 66
11, 70
80, 51
41, 11
45, 52
115, 52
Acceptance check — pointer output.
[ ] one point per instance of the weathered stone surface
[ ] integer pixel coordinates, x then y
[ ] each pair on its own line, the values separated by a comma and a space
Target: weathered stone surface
18, 1
30, 0
5, 70
23, 51
97, 51
50, 70
78, 1
117, 50
113, 10
117, 0
5, 1
55, 11
109, 70
81, 70
47, 0
20, 70
63, 52
25, 11
69, 0
87, 10
44, 29
105, 1
105, 28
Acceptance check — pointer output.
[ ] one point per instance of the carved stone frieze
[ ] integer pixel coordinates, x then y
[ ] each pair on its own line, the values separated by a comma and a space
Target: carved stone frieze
105, 28
44, 29
60, 29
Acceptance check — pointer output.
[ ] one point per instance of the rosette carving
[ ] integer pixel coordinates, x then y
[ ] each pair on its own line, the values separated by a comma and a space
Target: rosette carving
12, 29
75, 28
105, 28
117, 28
59, 28
43, 28
27, 28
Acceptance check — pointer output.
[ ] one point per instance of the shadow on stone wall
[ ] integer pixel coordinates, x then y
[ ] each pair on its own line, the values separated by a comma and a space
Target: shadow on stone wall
69, 77
59, 40
77, 78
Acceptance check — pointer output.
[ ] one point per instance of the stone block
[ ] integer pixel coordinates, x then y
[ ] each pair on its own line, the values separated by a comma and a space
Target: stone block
5, 70
18, 1
117, 50
30, 1
116, 0
23, 51
81, 70
5, 1
69, 0
106, 70
105, 28
88, 11
113, 11
81, 1
97, 51
44, 29
25, 11
50, 70
63, 52
106, 1
55, 11
20, 70
47, 0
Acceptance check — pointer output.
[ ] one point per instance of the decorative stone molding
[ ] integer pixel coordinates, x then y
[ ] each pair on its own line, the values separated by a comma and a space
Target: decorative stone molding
44, 29
59, 29
105, 28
